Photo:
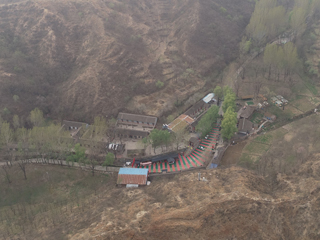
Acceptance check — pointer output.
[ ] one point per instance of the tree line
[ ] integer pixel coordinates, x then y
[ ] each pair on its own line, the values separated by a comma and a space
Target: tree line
44, 141
272, 17
229, 120
165, 139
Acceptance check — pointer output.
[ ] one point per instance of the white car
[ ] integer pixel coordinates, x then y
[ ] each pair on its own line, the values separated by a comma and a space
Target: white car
201, 147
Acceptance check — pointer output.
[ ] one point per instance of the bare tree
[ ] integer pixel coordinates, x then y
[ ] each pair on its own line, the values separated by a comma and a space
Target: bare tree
5, 169
22, 160
111, 130
95, 149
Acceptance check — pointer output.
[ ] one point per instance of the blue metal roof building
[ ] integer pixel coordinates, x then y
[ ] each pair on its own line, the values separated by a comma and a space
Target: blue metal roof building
137, 176
133, 171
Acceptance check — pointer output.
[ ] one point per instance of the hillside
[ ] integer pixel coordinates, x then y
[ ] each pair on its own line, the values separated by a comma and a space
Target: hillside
75, 59
233, 204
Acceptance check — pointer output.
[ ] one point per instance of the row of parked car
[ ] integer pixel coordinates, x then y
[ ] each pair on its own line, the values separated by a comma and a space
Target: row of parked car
202, 147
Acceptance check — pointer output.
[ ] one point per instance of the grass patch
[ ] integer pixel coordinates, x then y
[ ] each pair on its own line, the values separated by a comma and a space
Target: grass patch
278, 133
266, 138
309, 84
46, 198
302, 104
256, 148
291, 159
315, 101
248, 161
281, 114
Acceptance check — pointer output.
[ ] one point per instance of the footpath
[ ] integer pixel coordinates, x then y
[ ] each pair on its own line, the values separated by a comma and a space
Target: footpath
64, 163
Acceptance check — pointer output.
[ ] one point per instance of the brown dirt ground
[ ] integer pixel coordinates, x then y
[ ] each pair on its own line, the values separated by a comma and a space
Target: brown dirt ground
232, 154
89, 58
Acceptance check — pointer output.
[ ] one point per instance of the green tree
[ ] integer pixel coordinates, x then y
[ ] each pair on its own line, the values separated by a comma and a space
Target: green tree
179, 137
6, 111
269, 57
170, 118
16, 121
207, 122
290, 58
109, 159
267, 21
159, 138
36, 117
6, 133
245, 46
229, 101
22, 135
155, 138
218, 93
165, 137
227, 90
79, 154
229, 124
144, 142
280, 58
16, 98
159, 84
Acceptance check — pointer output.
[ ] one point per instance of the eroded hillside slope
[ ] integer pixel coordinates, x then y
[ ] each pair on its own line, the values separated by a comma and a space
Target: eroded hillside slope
77, 57
233, 204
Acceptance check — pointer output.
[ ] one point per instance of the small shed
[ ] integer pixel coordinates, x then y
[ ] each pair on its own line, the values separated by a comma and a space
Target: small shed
208, 98
137, 176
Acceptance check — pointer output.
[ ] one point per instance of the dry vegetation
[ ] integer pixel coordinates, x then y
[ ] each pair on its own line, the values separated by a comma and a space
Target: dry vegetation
63, 203
283, 150
72, 58
50, 204
233, 203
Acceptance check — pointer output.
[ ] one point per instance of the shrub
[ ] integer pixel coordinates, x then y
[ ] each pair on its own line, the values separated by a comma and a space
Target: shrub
170, 118
16, 98
17, 69
6, 111
159, 84
223, 10
313, 71
308, 63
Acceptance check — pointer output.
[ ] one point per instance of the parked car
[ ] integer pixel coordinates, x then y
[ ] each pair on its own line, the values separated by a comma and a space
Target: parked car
171, 161
201, 147
206, 137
